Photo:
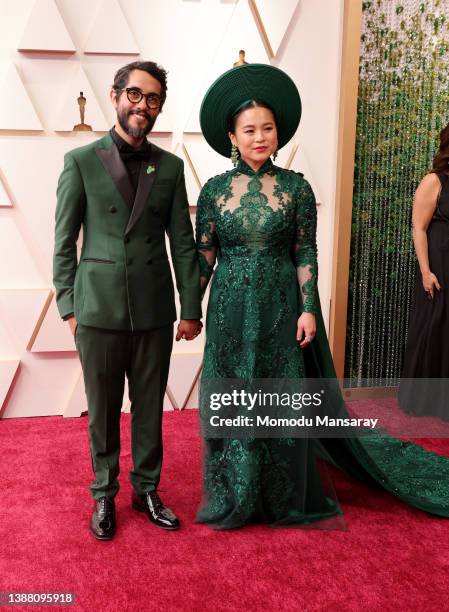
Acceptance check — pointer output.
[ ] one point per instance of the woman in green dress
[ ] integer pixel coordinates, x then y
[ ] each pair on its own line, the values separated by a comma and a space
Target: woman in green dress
264, 321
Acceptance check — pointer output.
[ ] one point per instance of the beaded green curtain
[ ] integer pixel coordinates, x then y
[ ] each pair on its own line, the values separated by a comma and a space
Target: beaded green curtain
403, 102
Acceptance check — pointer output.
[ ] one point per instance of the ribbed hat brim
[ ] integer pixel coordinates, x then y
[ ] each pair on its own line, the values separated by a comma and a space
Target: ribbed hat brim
249, 82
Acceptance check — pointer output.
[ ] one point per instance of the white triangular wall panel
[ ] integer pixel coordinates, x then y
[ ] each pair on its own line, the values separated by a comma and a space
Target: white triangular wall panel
45, 30
43, 386
300, 164
205, 160
185, 50
8, 349
54, 334
110, 32
193, 401
69, 115
181, 379
165, 141
102, 79
31, 170
8, 371
5, 200
242, 33
166, 121
169, 400
275, 18
77, 402
20, 312
285, 156
17, 267
193, 184
16, 109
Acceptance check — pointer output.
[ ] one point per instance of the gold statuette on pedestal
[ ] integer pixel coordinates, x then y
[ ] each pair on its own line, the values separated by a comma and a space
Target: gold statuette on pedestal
241, 61
82, 127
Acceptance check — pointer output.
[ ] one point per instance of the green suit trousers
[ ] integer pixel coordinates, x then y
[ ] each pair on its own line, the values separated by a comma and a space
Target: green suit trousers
107, 356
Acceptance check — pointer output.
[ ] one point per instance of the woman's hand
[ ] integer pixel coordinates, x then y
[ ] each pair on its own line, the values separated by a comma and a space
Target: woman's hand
429, 281
306, 328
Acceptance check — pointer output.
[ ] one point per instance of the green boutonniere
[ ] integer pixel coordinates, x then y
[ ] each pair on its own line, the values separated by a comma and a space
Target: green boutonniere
150, 169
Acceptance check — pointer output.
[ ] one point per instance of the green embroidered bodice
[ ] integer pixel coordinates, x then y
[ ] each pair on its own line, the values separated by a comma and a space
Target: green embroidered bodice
271, 212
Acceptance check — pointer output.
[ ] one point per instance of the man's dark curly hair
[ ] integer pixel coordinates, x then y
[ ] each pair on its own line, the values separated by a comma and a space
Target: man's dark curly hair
157, 72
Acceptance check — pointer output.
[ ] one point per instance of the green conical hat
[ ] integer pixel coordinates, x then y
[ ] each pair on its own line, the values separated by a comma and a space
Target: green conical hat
244, 83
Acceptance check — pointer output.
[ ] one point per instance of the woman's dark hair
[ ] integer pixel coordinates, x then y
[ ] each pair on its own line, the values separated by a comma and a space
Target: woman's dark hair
250, 104
441, 159
121, 77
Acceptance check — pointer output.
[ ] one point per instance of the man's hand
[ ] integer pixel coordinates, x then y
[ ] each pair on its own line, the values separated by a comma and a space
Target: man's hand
72, 324
188, 329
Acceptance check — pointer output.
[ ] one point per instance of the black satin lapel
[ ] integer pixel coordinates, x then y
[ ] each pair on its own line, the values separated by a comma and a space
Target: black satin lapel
113, 164
143, 190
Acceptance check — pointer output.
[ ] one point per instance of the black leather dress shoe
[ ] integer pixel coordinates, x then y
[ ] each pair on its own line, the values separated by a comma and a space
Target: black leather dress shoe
152, 505
103, 523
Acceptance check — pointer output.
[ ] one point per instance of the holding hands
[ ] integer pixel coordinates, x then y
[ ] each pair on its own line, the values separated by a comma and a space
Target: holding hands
188, 329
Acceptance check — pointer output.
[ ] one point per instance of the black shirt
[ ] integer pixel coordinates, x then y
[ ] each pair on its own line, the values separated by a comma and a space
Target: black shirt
132, 157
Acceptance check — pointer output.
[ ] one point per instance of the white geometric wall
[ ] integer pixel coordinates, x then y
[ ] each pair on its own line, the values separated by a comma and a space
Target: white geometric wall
50, 50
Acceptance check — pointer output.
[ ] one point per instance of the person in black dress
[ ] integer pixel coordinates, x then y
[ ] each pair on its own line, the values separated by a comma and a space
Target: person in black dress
427, 351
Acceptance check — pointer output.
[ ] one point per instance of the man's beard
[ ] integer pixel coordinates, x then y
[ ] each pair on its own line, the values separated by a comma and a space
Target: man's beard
135, 132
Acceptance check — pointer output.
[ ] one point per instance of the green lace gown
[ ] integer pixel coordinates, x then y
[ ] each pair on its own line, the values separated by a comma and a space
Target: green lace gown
261, 228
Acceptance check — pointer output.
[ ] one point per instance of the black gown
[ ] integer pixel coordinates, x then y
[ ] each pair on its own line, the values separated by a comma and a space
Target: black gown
427, 354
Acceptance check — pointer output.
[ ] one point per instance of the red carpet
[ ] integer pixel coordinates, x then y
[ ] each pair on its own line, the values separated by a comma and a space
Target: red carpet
391, 558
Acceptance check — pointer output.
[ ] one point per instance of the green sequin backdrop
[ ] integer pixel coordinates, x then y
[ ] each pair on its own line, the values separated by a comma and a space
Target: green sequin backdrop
403, 102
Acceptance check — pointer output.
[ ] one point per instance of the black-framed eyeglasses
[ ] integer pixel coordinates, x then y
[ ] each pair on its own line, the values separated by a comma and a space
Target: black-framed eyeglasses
134, 95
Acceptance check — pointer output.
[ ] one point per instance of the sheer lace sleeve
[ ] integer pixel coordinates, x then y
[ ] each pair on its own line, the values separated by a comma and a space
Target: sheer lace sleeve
305, 250
206, 238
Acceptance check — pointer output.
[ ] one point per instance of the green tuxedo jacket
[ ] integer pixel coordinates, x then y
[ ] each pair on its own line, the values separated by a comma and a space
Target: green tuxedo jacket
123, 279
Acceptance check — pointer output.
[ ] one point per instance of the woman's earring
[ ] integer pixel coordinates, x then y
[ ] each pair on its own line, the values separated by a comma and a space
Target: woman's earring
234, 155
275, 154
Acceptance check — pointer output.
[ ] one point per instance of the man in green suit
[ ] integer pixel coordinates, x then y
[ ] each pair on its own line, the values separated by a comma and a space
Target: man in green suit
118, 299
